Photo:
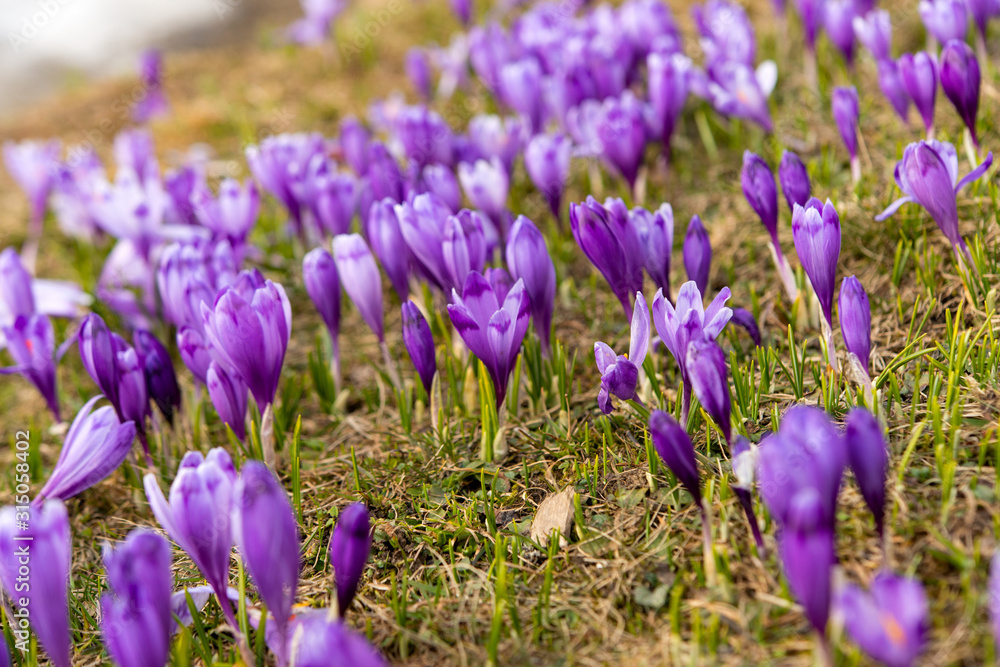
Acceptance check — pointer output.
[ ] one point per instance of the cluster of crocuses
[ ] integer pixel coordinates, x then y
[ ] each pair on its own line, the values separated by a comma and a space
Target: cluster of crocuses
211, 508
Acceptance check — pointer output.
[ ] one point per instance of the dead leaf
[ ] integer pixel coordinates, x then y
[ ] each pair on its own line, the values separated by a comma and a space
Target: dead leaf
554, 512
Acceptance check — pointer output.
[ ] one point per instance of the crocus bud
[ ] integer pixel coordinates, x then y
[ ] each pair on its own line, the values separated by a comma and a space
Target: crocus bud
622, 132
464, 246
361, 280
495, 137
944, 19
229, 397
674, 447
668, 75
874, 31
807, 553
421, 223
706, 368
419, 343
890, 81
855, 323
500, 281
492, 331
418, 71
249, 332
197, 517
919, 73
158, 368
319, 273
97, 352
133, 398
993, 593
194, 352
745, 319
354, 140
761, 192
890, 621
318, 641
529, 261
486, 185
95, 445
838, 17
689, 320
350, 546
268, 539
440, 180
547, 160
868, 456
816, 232
846, 114
136, 615
794, 178
656, 237
611, 244
960, 80
16, 295
520, 86
697, 254
31, 342
928, 175
233, 213
42, 592
389, 246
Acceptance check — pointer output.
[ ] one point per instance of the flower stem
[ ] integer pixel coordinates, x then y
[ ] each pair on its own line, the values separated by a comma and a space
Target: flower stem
747, 501
706, 533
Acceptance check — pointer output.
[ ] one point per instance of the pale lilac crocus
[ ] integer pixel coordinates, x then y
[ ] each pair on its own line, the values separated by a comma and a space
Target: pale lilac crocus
697, 253
547, 160
656, 236
854, 314
30, 340
890, 621
928, 175
612, 245
361, 280
846, 114
620, 373
528, 260
874, 31
816, 232
960, 80
919, 74
944, 19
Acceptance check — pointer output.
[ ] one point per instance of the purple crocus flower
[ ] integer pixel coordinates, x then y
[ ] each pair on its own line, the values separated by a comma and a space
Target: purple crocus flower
267, 538
31, 342
153, 103
386, 238
34, 166
95, 445
811, 13
383, 179
890, 622
547, 160
249, 329
737, 90
890, 82
317, 641
621, 130
319, 273
656, 237
745, 319
230, 215
697, 253
856, 326
350, 546
960, 80
425, 136
360, 278
794, 179
134, 153
706, 369
194, 352
313, 28
928, 175
982, 11
198, 516
418, 71
521, 89
278, 162
462, 10
492, 136
421, 223
944, 19
868, 456
133, 397
611, 244
649, 25
806, 548
761, 193
874, 31
493, 331
688, 320
440, 181
620, 373
726, 33
229, 395
675, 448
816, 232
42, 594
419, 344
486, 185
838, 18
158, 369
136, 614
355, 141
846, 114
919, 73
669, 75
97, 351
529, 261
993, 595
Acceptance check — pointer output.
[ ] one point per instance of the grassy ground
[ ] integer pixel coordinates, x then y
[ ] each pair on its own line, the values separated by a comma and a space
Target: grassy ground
454, 578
